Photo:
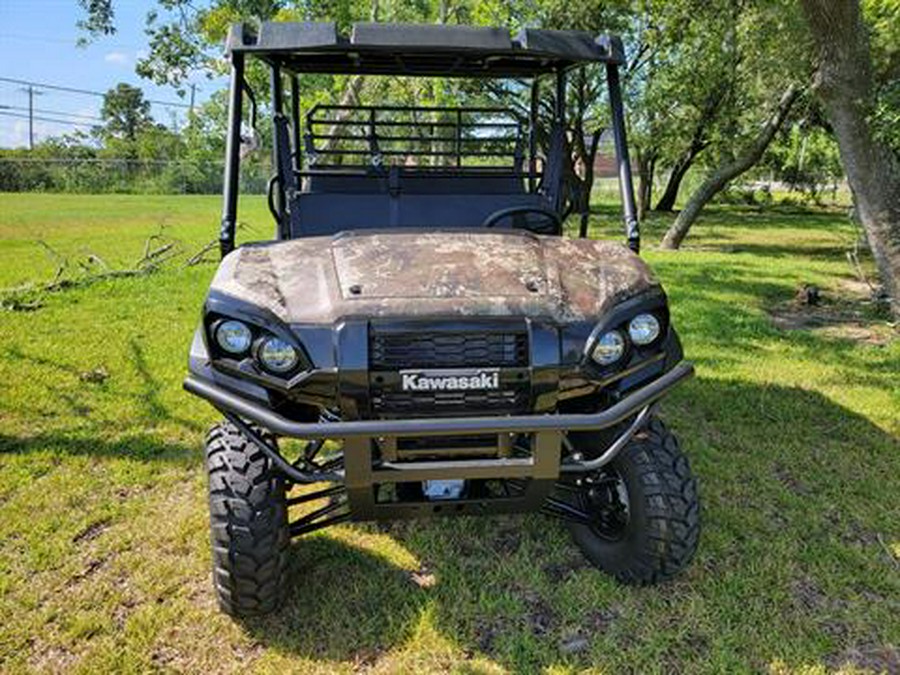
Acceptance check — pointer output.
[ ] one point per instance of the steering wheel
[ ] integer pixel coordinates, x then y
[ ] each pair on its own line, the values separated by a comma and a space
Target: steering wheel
554, 227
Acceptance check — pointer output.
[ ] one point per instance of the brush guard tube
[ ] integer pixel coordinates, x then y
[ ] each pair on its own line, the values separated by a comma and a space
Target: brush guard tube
356, 497
358, 433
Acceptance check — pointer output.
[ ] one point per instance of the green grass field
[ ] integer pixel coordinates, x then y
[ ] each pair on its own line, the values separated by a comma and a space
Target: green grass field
792, 425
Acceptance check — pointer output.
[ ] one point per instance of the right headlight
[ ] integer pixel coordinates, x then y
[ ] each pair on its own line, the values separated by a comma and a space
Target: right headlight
643, 329
609, 348
233, 336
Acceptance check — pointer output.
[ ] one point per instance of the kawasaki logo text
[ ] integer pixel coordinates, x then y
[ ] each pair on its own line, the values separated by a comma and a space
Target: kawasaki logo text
456, 381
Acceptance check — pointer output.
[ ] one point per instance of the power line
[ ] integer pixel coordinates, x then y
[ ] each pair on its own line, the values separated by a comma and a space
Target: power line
52, 112
86, 92
39, 118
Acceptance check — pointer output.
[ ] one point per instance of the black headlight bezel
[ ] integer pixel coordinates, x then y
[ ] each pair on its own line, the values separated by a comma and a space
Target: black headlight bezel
618, 319
262, 324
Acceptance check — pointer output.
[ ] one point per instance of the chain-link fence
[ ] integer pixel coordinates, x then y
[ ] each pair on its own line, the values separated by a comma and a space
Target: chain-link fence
104, 175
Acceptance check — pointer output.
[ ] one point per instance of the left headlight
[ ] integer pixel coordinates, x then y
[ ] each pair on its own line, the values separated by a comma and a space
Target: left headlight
609, 348
276, 355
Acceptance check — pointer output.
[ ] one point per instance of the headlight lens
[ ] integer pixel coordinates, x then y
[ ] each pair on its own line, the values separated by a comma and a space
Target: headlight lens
643, 329
609, 348
233, 336
277, 355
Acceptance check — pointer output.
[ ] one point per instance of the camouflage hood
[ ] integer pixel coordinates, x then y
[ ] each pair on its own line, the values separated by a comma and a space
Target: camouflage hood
409, 274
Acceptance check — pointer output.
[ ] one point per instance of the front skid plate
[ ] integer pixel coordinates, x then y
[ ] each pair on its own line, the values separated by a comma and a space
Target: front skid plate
360, 477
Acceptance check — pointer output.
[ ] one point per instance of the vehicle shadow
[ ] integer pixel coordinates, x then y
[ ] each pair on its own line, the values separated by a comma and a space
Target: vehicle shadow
136, 447
346, 603
96, 389
799, 512
150, 387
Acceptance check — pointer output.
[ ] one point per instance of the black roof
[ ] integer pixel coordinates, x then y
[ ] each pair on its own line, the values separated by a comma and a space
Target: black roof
421, 49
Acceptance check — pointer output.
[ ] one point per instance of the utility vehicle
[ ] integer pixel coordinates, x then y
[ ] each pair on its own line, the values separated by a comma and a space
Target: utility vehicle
421, 324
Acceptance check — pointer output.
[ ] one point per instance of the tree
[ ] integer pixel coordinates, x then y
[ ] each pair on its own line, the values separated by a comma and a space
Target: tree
719, 178
697, 142
769, 65
681, 86
126, 119
125, 113
99, 18
845, 83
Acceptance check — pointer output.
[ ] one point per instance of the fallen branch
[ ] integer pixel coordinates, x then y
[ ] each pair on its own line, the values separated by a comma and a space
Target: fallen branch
28, 297
159, 249
199, 256
66, 284
61, 261
93, 258
155, 256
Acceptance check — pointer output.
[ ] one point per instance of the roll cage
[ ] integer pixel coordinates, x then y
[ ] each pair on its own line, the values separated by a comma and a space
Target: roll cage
353, 167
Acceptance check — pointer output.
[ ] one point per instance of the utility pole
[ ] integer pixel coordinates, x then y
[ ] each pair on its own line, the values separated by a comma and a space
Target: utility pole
32, 92
193, 95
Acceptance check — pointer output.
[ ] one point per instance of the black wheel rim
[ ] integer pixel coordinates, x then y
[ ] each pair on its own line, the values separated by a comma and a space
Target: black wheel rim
605, 498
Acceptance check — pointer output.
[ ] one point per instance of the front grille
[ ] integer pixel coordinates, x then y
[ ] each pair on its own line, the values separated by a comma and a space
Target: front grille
449, 403
394, 351
503, 347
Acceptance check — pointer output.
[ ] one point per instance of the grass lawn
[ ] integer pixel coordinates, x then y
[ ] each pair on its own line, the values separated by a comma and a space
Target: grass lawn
792, 425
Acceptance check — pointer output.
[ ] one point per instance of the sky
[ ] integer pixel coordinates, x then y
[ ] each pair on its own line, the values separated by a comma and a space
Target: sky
38, 44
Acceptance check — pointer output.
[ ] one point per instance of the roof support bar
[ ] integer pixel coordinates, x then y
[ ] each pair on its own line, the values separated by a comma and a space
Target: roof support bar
277, 89
295, 119
560, 111
532, 133
278, 147
232, 157
626, 185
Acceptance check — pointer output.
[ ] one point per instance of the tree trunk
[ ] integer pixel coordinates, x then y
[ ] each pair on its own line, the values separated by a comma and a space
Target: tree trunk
728, 172
349, 97
845, 84
583, 150
679, 171
587, 183
646, 162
